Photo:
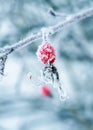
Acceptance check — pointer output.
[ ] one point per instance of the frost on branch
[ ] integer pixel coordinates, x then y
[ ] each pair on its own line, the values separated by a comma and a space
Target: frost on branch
68, 19
2, 64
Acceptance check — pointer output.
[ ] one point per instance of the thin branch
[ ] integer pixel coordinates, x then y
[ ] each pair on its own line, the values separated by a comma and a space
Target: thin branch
55, 14
52, 29
73, 18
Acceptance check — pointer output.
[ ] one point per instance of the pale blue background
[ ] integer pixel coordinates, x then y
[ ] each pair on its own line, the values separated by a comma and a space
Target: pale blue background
22, 106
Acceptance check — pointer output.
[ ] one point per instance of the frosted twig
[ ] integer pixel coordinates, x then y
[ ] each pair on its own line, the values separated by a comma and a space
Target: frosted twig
69, 19
52, 29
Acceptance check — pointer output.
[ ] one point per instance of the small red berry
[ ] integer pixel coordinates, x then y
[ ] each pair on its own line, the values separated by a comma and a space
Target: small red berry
46, 91
46, 52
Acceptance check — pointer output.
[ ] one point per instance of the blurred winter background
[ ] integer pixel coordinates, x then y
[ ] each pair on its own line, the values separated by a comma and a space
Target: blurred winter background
22, 105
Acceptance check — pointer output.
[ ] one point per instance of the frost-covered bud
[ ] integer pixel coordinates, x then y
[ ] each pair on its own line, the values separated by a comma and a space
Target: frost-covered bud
46, 53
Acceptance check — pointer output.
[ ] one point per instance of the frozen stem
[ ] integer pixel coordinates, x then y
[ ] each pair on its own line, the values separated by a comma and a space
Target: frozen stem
2, 64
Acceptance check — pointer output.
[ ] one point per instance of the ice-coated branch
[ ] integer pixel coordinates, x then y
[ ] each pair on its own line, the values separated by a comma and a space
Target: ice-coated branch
51, 30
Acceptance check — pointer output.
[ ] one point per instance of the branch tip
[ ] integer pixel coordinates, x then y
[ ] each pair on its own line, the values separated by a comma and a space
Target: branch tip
51, 11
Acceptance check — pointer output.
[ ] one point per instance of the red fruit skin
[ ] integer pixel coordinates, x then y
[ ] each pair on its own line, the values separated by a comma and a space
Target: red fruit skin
46, 52
46, 91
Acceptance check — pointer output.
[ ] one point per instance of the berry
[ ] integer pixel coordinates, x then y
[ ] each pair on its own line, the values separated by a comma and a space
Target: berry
46, 53
46, 91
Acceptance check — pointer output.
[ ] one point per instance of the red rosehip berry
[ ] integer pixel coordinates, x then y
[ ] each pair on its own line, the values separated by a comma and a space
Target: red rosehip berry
46, 53
46, 91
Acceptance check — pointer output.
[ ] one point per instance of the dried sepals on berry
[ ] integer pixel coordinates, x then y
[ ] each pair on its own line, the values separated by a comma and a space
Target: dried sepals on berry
46, 53
49, 74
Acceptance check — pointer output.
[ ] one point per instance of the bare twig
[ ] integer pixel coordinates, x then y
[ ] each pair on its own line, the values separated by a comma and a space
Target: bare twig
55, 14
